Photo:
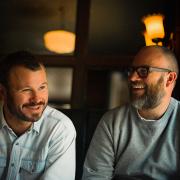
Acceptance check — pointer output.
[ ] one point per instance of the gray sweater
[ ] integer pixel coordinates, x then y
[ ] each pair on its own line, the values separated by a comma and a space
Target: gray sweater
125, 144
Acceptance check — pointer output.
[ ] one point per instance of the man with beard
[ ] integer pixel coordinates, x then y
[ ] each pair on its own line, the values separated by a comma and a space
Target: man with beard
36, 141
140, 140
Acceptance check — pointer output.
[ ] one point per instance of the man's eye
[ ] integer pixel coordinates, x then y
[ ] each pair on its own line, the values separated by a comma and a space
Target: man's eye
42, 87
26, 90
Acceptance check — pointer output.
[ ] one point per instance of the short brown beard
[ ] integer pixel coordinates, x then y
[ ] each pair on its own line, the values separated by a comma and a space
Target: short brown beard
18, 114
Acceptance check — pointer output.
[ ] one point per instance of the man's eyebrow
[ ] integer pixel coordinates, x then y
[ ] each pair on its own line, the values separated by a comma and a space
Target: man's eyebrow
44, 83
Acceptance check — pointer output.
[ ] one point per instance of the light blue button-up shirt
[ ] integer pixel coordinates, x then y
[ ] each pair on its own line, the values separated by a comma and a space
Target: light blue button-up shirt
45, 152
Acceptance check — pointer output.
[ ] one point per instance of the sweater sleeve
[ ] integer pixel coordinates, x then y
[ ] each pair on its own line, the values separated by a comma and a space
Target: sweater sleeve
99, 162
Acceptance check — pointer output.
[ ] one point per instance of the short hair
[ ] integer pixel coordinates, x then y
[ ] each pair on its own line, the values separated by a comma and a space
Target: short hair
170, 55
18, 58
173, 63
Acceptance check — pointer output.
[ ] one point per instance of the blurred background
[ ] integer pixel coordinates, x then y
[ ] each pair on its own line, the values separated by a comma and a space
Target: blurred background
86, 68
86, 45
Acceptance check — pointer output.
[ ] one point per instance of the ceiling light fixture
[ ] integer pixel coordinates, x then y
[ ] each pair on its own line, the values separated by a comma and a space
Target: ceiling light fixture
60, 40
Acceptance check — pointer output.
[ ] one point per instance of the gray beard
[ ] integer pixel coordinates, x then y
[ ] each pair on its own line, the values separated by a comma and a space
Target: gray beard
147, 102
152, 97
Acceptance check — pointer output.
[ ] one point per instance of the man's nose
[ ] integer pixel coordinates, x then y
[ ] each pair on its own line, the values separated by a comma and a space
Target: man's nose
134, 76
35, 96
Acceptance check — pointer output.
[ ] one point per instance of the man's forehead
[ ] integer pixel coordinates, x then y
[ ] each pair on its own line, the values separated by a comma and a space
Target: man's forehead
22, 77
21, 68
21, 72
151, 57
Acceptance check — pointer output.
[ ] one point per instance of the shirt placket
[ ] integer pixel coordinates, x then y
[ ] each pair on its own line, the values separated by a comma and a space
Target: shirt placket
15, 160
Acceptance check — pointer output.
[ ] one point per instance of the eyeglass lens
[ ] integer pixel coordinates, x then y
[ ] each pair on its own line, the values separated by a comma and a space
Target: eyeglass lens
141, 71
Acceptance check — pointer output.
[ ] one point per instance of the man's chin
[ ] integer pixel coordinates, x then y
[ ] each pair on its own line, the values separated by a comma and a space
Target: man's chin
138, 103
32, 117
36, 117
136, 99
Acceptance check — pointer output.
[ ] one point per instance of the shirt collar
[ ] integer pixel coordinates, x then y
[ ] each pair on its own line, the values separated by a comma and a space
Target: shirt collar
148, 120
36, 125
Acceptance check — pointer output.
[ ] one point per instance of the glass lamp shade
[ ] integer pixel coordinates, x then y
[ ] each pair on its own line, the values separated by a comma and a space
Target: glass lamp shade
60, 41
154, 26
149, 41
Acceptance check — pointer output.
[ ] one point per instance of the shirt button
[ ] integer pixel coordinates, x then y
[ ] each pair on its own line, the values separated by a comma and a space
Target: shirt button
12, 164
17, 144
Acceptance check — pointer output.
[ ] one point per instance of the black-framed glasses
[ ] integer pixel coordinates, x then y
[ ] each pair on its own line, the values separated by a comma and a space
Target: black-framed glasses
143, 71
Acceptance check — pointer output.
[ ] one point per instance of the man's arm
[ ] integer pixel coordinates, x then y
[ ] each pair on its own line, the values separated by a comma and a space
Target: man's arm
99, 160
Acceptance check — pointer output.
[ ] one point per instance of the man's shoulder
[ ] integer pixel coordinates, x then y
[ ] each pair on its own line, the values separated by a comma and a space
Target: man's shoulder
124, 109
118, 114
56, 117
174, 105
174, 101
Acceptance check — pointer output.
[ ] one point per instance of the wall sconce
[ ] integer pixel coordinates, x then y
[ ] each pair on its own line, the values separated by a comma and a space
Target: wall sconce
149, 41
154, 29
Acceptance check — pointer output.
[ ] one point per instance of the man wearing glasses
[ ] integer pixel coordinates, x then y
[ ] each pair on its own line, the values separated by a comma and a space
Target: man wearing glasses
140, 140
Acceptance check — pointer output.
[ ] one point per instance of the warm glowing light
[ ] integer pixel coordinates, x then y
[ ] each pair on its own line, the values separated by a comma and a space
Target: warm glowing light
149, 41
154, 26
60, 41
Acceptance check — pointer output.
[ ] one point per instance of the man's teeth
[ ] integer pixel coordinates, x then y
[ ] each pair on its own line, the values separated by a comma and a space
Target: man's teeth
137, 86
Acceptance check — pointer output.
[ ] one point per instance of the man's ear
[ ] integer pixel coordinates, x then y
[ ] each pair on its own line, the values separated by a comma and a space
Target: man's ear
172, 76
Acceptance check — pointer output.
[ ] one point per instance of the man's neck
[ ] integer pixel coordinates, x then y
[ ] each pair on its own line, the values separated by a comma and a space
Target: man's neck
155, 113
